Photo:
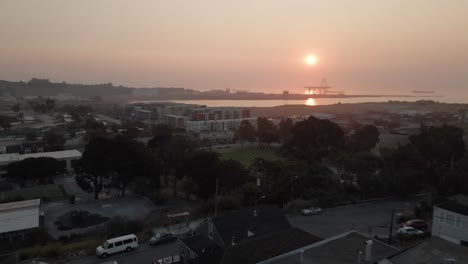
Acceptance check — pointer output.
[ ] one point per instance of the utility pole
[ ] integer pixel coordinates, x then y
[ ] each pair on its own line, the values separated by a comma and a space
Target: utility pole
390, 231
216, 199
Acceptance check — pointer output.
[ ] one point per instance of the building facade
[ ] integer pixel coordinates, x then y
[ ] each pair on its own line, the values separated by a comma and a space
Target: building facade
450, 220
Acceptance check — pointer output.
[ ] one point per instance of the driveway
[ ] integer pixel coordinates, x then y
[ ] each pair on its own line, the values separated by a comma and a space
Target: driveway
371, 218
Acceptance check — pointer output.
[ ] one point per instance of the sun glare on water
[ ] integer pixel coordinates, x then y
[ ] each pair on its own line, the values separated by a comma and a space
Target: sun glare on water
310, 101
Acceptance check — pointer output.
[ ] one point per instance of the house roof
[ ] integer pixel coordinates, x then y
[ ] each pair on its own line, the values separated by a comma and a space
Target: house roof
457, 204
64, 154
341, 249
268, 246
243, 224
19, 205
432, 251
207, 250
19, 215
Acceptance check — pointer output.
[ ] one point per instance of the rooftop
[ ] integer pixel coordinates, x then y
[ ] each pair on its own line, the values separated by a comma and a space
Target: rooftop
341, 249
9, 157
268, 246
18, 216
268, 219
432, 251
19, 205
457, 204
64, 154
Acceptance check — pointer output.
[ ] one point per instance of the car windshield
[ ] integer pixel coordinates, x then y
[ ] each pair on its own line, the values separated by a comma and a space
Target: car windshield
105, 245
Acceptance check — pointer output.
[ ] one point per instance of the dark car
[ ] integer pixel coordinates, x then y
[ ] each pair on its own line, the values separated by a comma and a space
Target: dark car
160, 239
416, 223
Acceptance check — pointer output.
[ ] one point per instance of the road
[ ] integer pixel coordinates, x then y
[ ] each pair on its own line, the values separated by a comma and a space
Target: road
371, 218
143, 254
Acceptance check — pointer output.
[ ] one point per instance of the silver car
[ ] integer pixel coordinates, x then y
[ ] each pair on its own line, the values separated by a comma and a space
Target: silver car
311, 211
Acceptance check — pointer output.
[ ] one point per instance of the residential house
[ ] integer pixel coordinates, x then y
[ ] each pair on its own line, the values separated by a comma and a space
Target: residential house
450, 220
431, 251
348, 248
247, 236
17, 218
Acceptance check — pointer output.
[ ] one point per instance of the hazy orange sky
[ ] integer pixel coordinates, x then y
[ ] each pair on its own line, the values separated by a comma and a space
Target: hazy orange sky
378, 46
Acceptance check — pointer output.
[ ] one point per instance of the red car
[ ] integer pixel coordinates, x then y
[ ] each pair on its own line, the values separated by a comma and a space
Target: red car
416, 223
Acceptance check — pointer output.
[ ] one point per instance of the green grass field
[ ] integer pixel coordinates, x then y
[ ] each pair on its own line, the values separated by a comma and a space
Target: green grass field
248, 154
53, 192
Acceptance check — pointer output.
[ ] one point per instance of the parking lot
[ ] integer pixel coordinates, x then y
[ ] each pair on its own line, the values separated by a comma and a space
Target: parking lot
370, 218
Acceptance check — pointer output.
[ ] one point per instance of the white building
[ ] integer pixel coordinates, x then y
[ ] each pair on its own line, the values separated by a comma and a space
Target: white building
450, 220
18, 217
217, 125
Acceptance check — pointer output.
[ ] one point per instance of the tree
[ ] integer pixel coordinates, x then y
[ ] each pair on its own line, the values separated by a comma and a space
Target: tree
232, 175
284, 129
364, 138
16, 107
34, 169
266, 131
202, 168
246, 131
404, 170
49, 104
5, 123
31, 135
54, 140
120, 158
96, 161
441, 147
313, 139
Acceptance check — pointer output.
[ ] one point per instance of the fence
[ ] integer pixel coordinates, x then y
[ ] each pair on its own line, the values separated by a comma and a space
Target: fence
168, 260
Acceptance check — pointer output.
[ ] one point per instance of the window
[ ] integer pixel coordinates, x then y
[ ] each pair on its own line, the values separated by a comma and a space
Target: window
450, 220
442, 217
458, 221
110, 245
128, 241
210, 230
135, 239
118, 243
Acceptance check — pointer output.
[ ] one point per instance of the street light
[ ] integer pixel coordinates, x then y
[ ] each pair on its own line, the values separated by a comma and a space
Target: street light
292, 176
256, 201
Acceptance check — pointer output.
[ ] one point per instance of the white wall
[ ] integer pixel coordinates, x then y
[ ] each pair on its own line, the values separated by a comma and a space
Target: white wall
24, 218
450, 226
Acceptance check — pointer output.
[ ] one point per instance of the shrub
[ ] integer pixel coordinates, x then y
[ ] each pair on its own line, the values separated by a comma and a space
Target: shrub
229, 202
53, 250
84, 185
119, 226
158, 198
50, 250
11, 199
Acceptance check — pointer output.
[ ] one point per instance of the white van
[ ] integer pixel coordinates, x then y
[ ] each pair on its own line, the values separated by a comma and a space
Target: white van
118, 244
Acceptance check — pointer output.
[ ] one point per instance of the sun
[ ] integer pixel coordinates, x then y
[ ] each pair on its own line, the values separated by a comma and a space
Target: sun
311, 60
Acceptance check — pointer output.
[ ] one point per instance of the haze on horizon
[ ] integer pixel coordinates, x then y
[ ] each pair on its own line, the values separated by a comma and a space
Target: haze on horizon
371, 46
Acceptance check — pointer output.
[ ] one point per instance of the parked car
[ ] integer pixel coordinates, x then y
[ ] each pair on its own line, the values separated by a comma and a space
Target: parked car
118, 244
160, 239
311, 211
407, 230
416, 223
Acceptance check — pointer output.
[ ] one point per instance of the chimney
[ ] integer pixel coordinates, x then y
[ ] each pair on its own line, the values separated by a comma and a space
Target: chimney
368, 251
301, 257
359, 257
255, 212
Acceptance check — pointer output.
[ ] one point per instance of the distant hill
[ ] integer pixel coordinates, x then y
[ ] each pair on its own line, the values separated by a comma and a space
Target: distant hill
43, 87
